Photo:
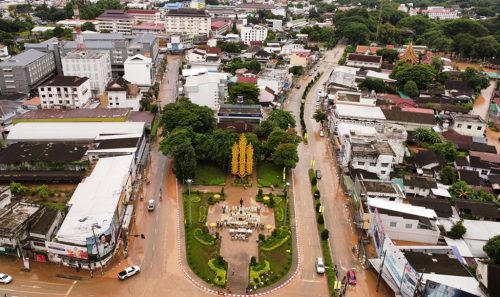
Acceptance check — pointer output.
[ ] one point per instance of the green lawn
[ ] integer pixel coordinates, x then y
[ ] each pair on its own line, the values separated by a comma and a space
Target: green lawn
209, 175
269, 174
198, 254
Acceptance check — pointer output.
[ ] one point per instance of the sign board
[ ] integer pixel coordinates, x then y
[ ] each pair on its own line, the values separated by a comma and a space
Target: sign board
67, 250
434, 289
400, 269
377, 231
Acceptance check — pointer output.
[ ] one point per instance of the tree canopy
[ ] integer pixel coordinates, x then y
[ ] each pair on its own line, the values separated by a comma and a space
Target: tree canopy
248, 91
492, 249
186, 114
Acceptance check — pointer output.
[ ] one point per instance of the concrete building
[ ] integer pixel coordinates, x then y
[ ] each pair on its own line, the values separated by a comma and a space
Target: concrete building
115, 21
23, 73
365, 61
188, 21
370, 188
468, 124
343, 77
145, 15
355, 98
139, 70
65, 92
92, 64
4, 52
275, 25
123, 94
90, 230
277, 79
209, 89
403, 221
440, 13
153, 28
253, 33
239, 117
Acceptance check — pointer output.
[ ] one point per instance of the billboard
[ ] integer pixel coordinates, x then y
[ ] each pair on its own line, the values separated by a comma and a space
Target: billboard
377, 231
400, 269
434, 289
105, 241
67, 250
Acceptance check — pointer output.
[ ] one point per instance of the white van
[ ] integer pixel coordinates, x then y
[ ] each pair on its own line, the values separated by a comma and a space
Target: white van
151, 205
320, 265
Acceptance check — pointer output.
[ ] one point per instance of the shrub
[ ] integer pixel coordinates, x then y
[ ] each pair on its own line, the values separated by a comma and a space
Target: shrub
311, 173
316, 194
314, 181
318, 205
43, 191
262, 237
321, 220
18, 188
220, 271
325, 234
457, 230
260, 194
253, 260
211, 201
203, 237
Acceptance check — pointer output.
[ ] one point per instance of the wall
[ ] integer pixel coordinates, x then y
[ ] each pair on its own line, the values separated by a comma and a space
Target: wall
470, 128
400, 232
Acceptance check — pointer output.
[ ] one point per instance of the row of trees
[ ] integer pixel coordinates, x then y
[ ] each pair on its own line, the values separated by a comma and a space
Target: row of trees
190, 136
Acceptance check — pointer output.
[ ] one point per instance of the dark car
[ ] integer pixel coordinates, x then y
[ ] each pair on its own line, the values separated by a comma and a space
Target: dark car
351, 277
318, 174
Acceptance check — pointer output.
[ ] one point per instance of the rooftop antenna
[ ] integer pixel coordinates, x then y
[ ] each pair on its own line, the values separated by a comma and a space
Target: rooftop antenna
80, 45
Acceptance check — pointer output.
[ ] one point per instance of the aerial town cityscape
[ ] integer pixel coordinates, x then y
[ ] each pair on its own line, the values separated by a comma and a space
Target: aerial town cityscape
299, 148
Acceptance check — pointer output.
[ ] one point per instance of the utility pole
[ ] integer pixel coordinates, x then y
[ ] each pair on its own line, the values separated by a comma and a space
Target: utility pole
96, 246
418, 283
287, 185
381, 268
189, 181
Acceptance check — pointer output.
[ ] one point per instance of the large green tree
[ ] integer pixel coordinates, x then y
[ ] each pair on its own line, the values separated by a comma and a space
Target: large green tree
286, 155
492, 249
184, 161
248, 91
418, 24
282, 118
186, 114
422, 74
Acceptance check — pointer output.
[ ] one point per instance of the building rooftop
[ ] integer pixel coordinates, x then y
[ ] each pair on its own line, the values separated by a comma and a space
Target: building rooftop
71, 131
420, 182
409, 117
88, 54
13, 218
44, 176
17, 153
436, 263
378, 186
66, 81
423, 158
471, 177
23, 59
343, 110
114, 14
442, 207
478, 209
95, 200
61, 115
231, 109
112, 143
143, 11
402, 208
187, 12
472, 118
364, 58
43, 224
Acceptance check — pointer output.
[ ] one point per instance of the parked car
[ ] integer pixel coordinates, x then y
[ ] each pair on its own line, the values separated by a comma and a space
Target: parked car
151, 205
318, 174
5, 278
320, 265
351, 277
297, 86
321, 133
128, 272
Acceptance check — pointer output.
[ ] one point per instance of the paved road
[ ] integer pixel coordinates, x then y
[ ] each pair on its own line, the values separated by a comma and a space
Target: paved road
482, 104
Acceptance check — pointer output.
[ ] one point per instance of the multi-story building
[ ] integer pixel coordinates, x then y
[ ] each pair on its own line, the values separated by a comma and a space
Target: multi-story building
119, 47
4, 52
209, 89
197, 4
188, 21
151, 27
92, 64
145, 15
440, 13
253, 33
23, 73
115, 21
123, 94
139, 70
468, 124
365, 61
65, 92
277, 79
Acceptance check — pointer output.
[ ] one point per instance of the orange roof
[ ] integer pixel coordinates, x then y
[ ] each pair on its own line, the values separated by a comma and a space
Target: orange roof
248, 80
35, 101
361, 49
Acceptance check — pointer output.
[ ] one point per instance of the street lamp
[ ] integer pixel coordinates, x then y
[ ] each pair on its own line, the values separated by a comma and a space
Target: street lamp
189, 181
287, 185
94, 226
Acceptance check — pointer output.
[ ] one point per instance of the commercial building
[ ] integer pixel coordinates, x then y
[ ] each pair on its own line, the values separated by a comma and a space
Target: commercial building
145, 15
365, 61
139, 70
115, 21
239, 117
92, 64
123, 94
209, 89
253, 33
188, 21
23, 73
65, 92
91, 228
468, 124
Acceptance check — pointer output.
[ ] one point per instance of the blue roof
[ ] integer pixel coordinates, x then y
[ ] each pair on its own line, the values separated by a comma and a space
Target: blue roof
175, 5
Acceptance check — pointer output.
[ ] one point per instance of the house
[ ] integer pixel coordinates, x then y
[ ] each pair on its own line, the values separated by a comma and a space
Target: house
209, 89
262, 56
369, 115
24, 72
468, 124
123, 94
418, 185
410, 120
460, 90
477, 210
65, 92
266, 96
14, 224
239, 117
364, 61
369, 188
42, 231
428, 163
196, 56
442, 207
219, 27
188, 21
139, 70
473, 163
367, 50
145, 15
407, 222
247, 80
374, 157
344, 77
300, 58
277, 79
251, 33
95, 65
470, 177
115, 21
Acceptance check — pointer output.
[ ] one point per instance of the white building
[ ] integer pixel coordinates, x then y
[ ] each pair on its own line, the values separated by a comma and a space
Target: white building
95, 65
91, 227
196, 55
123, 94
355, 98
139, 70
115, 21
145, 15
344, 76
209, 89
65, 92
370, 188
275, 25
188, 21
253, 33
440, 13
197, 4
274, 78
403, 221
4, 52
365, 61
71, 23
468, 124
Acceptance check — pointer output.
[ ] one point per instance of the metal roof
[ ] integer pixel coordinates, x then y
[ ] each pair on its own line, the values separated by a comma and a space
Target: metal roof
25, 58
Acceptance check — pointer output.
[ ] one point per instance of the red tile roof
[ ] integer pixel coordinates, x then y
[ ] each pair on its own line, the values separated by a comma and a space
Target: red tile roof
248, 80
142, 11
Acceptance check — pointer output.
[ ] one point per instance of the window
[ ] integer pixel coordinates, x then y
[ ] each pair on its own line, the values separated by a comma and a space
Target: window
459, 125
479, 128
408, 226
382, 172
484, 172
361, 163
393, 224
373, 164
385, 164
469, 127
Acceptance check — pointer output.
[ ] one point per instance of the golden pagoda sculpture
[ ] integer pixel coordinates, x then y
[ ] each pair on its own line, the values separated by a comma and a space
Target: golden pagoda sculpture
409, 55
242, 157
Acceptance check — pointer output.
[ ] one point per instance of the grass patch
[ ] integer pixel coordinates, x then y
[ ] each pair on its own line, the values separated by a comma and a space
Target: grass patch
269, 174
154, 128
220, 269
198, 253
257, 271
209, 175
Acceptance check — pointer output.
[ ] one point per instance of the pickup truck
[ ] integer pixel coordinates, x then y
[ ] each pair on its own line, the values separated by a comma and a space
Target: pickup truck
128, 272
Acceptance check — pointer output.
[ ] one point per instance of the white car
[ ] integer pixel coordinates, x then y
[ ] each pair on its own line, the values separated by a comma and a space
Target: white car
320, 265
321, 133
151, 205
128, 272
5, 278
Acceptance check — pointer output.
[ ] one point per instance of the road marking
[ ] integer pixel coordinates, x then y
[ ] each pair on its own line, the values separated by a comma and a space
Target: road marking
33, 287
70, 289
311, 280
31, 292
